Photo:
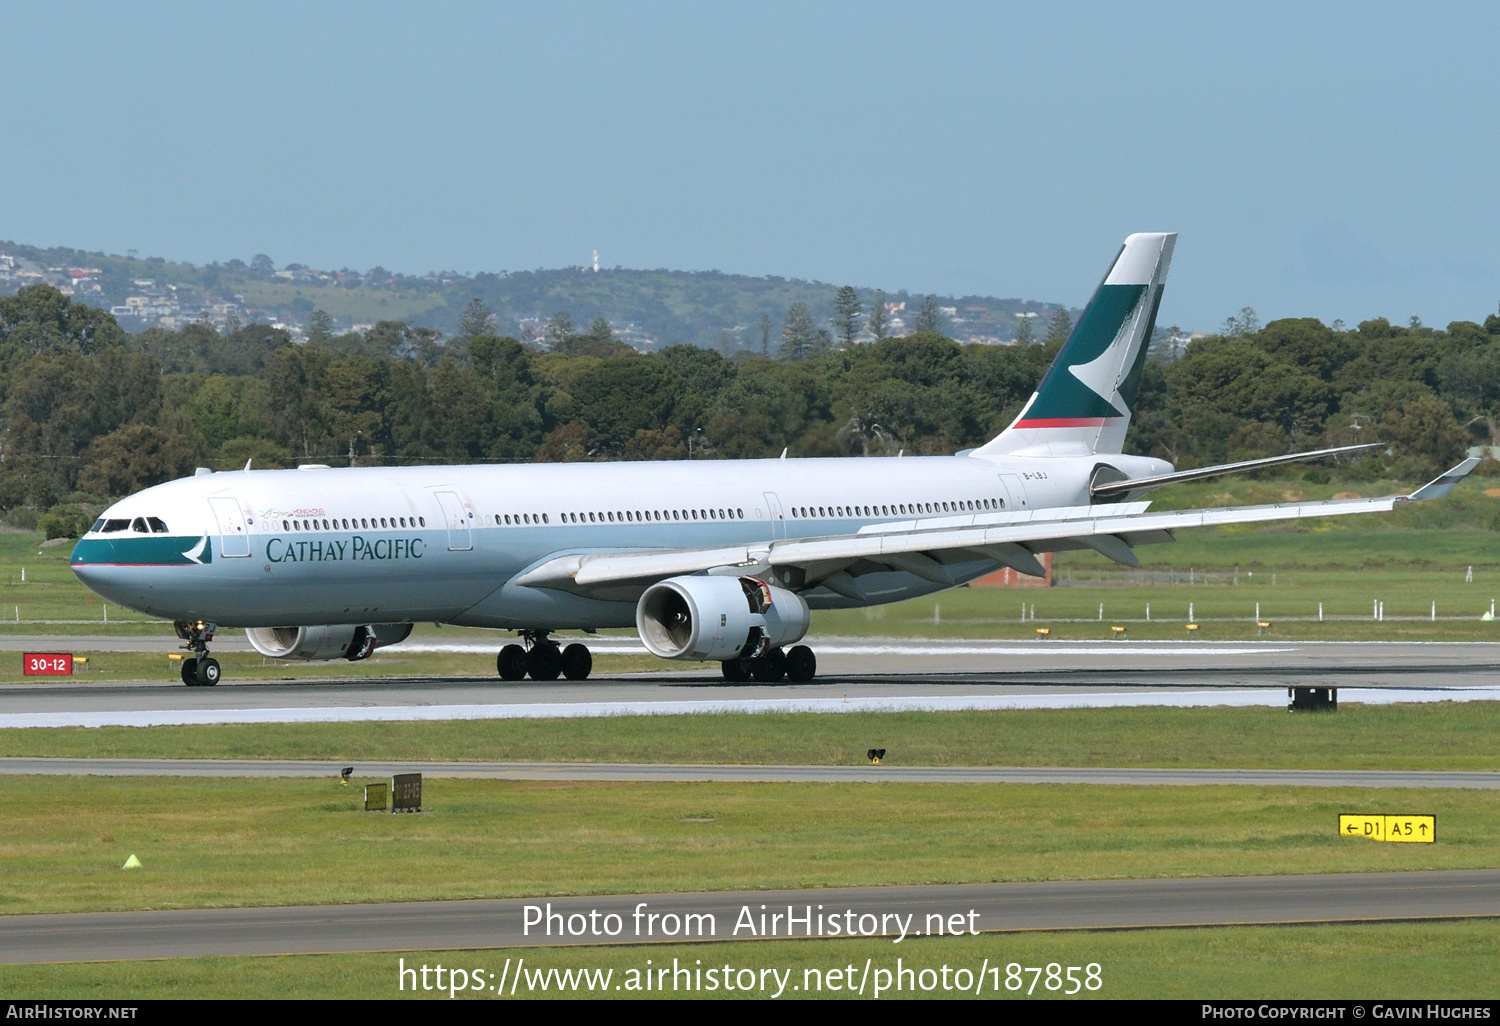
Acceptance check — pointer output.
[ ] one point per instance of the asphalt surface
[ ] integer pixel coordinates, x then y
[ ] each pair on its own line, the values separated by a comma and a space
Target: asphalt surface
855, 674
985, 908
1467, 779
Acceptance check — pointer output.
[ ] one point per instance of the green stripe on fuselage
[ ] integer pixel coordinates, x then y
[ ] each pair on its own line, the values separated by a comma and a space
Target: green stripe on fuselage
142, 550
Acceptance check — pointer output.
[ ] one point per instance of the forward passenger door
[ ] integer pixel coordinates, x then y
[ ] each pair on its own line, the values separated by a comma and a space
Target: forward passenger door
234, 540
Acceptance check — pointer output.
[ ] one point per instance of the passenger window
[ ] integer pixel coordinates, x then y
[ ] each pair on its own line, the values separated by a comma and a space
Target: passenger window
545, 519
421, 521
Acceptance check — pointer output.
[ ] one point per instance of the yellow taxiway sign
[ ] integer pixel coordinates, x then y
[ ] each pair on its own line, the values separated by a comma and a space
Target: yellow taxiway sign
1405, 828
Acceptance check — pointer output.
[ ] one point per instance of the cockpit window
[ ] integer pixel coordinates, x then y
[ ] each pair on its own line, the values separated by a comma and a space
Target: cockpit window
111, 526
98, 525
139, 525
157, 525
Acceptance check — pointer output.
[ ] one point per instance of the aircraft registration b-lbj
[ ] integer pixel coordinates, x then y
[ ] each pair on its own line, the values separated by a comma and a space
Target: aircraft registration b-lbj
709, 560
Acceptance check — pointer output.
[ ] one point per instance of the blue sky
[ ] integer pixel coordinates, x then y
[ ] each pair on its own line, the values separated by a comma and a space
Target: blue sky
1329, 160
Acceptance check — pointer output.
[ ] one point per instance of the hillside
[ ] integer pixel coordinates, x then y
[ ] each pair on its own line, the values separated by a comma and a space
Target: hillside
648, 308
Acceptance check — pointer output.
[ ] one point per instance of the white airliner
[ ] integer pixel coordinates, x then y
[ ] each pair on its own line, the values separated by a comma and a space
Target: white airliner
708, 560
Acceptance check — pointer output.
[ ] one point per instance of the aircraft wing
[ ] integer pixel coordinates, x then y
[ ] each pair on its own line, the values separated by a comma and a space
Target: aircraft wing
945, 550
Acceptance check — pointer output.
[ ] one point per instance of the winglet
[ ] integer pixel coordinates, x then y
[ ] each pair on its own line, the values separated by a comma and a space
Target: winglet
1444, 483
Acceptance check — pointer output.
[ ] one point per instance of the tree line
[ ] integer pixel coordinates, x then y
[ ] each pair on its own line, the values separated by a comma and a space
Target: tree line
89, 412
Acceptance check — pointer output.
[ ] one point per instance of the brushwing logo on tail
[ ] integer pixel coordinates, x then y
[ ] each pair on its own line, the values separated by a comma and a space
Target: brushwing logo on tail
1088, 394
1101, 374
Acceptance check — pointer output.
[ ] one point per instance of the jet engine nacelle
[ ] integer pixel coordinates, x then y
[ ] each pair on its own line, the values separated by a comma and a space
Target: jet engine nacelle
337, 641
718, 618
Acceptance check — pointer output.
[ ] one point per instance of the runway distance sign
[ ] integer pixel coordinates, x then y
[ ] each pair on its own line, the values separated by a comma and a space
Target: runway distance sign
1404, 828
47, 664
406, 792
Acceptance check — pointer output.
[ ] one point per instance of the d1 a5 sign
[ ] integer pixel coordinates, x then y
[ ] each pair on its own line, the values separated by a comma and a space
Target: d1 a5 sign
47, 664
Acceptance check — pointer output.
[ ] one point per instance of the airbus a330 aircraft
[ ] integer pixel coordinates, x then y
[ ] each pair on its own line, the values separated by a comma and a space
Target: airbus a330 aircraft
708, 560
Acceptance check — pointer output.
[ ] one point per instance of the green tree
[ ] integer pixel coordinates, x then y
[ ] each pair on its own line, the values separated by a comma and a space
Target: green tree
297, 378
1426, 436
846, 311
879, 321
767, 327
353, 401
1023, 332
799, 334
319, 328
1059, 326
1247, 323
134, 457
598, 341
619, 396
476, 320
929, 318
559, 329
40, 319
1472, 377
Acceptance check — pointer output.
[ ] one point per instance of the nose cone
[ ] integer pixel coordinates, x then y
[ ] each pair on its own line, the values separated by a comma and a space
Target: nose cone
93, 562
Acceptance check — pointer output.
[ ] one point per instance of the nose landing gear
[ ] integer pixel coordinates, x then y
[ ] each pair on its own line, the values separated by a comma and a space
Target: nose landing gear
201, 669
543, 659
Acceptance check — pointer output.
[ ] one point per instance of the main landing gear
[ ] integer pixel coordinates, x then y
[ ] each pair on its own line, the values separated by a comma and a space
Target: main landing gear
200, 669
543, 659
798, 666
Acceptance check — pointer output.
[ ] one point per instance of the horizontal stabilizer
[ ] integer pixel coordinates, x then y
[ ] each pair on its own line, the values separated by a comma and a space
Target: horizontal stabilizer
1199, 474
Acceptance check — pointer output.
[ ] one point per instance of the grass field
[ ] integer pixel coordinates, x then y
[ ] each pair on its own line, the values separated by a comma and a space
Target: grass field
1369, 961
223, 842
1440, 735
361, 304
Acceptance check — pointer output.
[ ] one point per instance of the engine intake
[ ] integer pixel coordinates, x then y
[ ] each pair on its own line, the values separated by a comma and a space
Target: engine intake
718, 618
336, 641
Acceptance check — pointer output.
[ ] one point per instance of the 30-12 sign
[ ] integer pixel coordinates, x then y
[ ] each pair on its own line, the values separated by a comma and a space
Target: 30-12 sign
47, 664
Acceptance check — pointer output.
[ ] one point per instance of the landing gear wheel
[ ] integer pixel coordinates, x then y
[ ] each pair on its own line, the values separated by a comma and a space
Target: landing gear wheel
207, 671
769, 668
190, 672
511, 662
577, 662
544, 662
737, 671
801, 664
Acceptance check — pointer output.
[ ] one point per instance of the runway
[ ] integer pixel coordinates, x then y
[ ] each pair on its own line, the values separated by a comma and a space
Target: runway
657, 772
856, 675
875, 911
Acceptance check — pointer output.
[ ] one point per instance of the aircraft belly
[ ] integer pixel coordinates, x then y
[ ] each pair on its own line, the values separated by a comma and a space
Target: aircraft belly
520, 608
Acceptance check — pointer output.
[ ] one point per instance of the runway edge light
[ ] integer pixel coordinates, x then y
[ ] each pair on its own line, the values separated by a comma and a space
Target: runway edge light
1404, 828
